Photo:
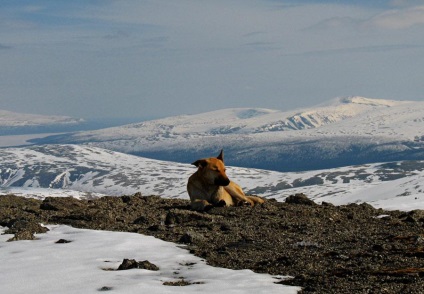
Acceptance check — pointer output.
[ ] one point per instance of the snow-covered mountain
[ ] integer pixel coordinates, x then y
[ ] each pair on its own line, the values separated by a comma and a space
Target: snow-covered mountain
88, 169
86, 172
13, 122
343, 131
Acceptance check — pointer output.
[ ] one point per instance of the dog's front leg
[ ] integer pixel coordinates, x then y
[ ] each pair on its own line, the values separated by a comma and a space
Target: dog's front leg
200, 205
222, 198
238, 195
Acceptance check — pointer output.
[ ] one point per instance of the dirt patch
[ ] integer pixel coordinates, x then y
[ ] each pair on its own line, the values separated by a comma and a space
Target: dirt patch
326, 248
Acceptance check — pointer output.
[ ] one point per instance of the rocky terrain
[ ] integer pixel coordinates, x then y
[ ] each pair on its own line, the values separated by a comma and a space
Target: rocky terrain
325, 248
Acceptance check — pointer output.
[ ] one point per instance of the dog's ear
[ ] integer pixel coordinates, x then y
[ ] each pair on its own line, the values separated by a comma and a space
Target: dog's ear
221, 155
200, 163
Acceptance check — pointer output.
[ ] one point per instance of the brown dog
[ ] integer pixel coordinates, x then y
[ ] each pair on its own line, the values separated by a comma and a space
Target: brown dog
210, 186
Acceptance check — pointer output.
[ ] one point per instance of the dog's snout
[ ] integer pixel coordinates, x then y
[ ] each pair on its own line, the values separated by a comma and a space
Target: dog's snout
222, 181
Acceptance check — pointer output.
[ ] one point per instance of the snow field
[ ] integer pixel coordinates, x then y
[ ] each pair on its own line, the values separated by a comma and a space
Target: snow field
88, 264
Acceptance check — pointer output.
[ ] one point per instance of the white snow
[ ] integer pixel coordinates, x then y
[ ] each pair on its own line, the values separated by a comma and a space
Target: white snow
14, 178
14, 119
405, 194
42, 193
373, 119
89, 262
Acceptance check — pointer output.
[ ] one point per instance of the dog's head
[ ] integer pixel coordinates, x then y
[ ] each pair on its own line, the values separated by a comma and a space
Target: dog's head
213, 170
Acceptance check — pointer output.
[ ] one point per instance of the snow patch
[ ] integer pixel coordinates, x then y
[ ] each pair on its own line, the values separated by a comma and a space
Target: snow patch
88, 263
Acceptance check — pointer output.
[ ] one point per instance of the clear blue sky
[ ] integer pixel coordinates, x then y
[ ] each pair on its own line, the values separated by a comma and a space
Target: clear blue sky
156, 58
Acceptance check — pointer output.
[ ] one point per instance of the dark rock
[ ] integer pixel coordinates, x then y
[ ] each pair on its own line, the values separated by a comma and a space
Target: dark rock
178, 283
299, 199
186, 238
126, 199
155, 228
147, 265
368, 207
225, 228
23, 235
192, 236
61, 203
410, 219
127, 264
48, 206
132, 263
415, 215
17, 225
378, 247
140, 220
62, 241
24, 229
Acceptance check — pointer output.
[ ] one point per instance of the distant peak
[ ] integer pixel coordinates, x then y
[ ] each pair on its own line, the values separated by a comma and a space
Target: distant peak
365, 101
253, 112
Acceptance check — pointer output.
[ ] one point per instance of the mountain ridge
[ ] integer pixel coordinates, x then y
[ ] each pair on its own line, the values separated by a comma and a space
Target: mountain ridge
349, 130
89, 172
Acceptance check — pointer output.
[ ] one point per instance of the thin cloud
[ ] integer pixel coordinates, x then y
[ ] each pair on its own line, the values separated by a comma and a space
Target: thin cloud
5, 47
333, 23
405, 3
254, 34
398, 18
365, 49
120, 34
262, 45
393, 19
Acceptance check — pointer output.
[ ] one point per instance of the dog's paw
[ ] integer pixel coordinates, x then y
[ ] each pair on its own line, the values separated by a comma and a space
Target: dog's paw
221, 203
208, 207
244, 203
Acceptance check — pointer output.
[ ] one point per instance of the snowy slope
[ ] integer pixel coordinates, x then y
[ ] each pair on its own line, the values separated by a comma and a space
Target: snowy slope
343, 131
40, 266
86, 172
88, 169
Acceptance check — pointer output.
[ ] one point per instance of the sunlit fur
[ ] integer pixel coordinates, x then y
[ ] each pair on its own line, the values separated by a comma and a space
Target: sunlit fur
210, 186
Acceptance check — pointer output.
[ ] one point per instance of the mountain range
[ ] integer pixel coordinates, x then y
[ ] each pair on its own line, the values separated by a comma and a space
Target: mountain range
89, 172
344, 131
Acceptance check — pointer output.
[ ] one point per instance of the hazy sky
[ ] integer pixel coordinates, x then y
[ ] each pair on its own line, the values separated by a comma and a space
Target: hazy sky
156, 58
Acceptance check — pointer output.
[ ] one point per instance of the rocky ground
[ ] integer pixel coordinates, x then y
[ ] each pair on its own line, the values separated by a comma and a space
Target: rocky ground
325, 248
